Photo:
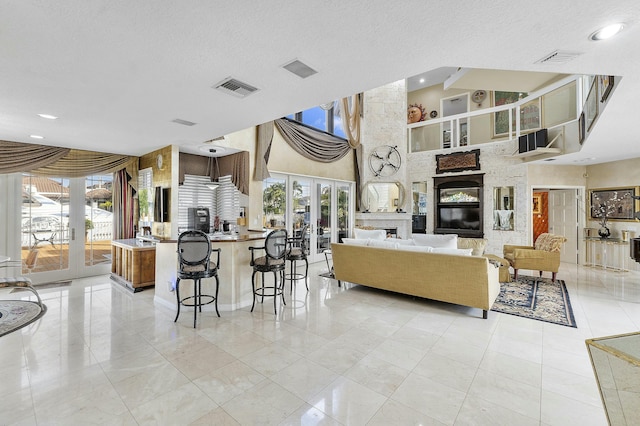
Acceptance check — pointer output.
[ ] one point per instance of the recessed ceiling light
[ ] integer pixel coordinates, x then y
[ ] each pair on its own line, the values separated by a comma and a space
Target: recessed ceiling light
422, 80
48, 116
37, 136
606, 32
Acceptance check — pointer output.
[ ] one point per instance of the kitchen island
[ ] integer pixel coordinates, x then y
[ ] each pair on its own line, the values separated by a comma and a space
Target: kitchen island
133, 263
234, 272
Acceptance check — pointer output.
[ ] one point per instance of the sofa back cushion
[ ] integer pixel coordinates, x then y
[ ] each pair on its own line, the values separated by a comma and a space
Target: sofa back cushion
477, 244
383, 244
373, 234
420, 249
453, 251
433, 240
549, 242
356, 242
402, 242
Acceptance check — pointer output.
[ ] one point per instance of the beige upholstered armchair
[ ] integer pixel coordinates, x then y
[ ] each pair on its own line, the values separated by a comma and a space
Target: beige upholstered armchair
543, 256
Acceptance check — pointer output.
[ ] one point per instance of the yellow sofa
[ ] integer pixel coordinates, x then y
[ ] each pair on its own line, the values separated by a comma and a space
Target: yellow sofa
464, 280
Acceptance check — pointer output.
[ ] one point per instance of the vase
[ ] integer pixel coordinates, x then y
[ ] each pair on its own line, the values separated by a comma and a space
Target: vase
604, 232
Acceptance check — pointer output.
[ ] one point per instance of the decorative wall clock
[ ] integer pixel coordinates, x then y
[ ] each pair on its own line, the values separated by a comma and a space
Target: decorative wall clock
478, 96
385, 161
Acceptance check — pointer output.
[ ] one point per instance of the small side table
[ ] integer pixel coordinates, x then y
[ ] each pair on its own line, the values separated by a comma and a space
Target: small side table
503, 269
327, 253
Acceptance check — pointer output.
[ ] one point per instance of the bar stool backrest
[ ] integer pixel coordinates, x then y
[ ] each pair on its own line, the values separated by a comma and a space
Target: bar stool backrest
194, 251
276, 244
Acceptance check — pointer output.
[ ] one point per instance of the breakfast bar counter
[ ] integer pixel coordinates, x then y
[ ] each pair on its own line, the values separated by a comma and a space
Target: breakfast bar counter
234, 271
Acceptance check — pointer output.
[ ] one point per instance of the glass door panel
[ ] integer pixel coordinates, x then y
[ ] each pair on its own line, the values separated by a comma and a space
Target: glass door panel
323, 216
274, 202
98, 220
44, 224
344, 219
300, 205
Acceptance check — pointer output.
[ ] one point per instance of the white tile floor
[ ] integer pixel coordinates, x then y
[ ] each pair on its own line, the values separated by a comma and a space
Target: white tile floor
343, 356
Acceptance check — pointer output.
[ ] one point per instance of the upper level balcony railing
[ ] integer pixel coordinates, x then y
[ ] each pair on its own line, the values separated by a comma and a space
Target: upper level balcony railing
554, 107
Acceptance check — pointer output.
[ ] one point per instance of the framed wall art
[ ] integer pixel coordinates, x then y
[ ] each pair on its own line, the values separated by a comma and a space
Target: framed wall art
616, 203
581, 129
458, 161
590, 108
530, 118
605, 85
537, 204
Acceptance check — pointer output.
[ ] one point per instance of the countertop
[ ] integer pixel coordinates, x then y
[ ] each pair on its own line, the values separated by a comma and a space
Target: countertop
134, 244
223, 238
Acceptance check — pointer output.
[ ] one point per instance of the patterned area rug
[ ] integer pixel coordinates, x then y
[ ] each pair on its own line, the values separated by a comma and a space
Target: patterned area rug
536, 298
15, 314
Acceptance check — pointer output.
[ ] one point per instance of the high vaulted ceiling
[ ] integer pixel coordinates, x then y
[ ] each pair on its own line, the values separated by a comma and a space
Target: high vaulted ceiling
117, 73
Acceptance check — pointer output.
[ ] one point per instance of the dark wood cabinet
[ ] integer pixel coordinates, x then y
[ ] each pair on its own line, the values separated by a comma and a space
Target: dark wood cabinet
459, 205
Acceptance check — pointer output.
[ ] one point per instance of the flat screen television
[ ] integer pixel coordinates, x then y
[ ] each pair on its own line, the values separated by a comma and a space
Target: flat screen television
161, 204
459, 218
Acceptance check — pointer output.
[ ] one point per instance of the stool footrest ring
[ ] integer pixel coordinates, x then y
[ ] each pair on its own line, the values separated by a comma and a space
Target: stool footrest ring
195, 303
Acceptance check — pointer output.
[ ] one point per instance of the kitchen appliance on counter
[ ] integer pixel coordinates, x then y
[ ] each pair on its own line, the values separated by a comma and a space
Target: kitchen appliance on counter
199, 219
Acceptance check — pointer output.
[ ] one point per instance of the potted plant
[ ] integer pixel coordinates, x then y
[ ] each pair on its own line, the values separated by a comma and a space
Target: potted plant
88, 225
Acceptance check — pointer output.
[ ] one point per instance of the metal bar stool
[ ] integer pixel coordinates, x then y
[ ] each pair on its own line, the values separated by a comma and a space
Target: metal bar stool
297, 251
275, 247
194, 256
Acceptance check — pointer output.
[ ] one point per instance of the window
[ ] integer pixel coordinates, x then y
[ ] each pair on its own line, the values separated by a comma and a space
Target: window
326, 118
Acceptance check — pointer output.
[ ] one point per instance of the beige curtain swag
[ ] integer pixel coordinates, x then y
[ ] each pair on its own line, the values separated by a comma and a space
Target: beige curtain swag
312, 144
20, 157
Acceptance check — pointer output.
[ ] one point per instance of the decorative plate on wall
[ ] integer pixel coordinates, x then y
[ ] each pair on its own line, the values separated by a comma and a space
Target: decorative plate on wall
478, 96
385, 161
433, 114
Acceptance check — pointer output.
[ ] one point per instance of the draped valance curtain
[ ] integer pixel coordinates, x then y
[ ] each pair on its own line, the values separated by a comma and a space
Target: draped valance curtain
64, 162
236, 165
45, 160
312, 143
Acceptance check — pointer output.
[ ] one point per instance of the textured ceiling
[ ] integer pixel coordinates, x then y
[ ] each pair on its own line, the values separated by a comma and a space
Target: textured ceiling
118, 72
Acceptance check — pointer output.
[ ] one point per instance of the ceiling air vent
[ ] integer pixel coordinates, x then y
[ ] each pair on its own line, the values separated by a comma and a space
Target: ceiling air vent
235, 87
183, 122
558, 57
299, 68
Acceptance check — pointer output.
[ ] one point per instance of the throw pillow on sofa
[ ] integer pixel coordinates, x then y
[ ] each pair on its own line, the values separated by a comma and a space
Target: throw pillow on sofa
477, 244
401, 242
355, 242
433, 240
383, 244
419, 249
373, 234
456, 251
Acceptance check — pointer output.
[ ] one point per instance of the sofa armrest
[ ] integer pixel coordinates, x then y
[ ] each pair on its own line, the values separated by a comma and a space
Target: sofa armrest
509, 249
525, 253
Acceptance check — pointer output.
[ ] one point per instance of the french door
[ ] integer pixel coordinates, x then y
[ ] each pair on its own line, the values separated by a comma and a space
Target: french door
65, 227
324, 205
563, 220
